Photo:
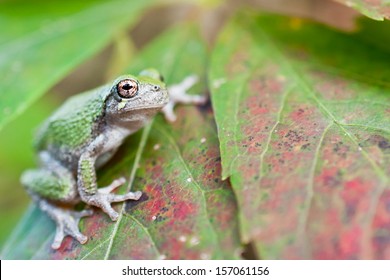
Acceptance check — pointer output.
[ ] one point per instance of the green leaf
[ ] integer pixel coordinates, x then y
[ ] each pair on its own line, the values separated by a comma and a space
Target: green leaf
378, 9
304, 127
186, 211
44, 41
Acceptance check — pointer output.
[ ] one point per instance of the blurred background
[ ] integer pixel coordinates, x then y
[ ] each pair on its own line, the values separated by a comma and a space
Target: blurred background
21, 19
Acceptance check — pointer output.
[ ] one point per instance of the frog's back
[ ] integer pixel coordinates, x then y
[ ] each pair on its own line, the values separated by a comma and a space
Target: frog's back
74, 124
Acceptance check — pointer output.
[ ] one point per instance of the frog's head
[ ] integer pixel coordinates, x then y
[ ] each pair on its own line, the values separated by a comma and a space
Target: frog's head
134, 97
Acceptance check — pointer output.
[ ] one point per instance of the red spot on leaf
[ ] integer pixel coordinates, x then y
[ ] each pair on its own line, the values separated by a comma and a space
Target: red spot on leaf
350, 241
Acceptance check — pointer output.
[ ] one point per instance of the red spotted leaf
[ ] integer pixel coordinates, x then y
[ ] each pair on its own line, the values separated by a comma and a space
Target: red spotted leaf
185, 212
303, 116
375, 9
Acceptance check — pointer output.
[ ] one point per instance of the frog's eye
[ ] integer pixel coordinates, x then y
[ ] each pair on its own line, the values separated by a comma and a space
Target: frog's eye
127, 88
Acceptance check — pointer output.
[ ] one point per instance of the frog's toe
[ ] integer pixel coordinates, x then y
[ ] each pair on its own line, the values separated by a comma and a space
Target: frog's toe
81, 238
188, 82
111, 198
168, 112
123, 197
103, 200
60, 235
112, 213
198, 99
115, 184
105, 205
85, 213
67, 224
137, 195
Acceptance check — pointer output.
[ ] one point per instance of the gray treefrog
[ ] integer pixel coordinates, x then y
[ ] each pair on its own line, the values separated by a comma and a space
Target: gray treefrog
83, 134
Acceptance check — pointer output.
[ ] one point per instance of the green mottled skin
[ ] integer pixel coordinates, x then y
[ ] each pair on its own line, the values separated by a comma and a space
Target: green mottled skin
47, 185
72, 125
88, 177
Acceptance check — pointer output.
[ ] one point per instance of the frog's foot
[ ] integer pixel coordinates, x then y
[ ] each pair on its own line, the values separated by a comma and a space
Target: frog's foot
103, 198
178, 94
67, 222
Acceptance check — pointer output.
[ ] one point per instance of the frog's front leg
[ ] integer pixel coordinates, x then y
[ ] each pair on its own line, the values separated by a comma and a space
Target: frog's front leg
86, 180
178, 94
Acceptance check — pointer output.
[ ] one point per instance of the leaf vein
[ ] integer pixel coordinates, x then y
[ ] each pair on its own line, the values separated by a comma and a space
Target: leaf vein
140, 149
278, 120
195, 183
278, 54
304, 215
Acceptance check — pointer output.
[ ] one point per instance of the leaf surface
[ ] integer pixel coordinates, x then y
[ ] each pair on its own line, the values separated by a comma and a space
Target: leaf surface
186, 211
304, 125
375, 9
44, 41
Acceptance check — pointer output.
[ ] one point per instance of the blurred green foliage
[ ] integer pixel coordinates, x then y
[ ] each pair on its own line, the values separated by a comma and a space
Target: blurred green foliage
16, 154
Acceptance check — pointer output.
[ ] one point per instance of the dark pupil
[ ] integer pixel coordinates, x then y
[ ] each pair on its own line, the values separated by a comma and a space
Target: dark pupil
127, 86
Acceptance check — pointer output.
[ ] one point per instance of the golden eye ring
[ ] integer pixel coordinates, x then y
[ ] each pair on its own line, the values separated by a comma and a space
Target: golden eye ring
127, 88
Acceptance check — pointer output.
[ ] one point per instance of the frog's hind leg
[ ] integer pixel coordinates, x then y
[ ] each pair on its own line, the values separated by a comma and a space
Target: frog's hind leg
66, 220
54, 183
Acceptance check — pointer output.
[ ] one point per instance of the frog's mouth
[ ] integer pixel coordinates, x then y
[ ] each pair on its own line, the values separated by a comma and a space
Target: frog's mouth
147, 108
139, 114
